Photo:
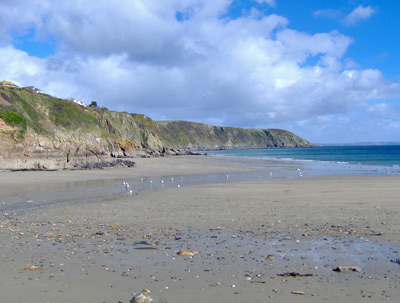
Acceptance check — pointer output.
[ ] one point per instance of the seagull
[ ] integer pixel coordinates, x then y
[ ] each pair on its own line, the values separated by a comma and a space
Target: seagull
179, 185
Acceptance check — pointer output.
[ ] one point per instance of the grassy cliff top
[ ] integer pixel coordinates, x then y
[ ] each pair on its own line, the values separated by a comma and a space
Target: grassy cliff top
48, 116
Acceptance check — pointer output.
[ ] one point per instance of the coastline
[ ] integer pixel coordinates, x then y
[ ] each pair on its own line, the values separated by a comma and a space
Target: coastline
245, 233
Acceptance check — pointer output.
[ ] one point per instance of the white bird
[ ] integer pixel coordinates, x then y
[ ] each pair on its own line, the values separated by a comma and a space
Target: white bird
179, 185
131, 192
162, 181
172, 178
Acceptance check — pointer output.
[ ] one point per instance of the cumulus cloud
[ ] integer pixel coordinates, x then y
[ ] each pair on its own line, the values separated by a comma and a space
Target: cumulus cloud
358, 14
183, 60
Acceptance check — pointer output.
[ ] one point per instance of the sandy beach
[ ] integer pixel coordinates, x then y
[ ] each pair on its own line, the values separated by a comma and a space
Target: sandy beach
81, 236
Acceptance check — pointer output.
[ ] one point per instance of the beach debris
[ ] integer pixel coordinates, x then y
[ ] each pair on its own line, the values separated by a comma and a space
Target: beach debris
347, 269
33, 268
270, 258
142, 297
298, 292
294, 274
115, 225
397, 261
186, 253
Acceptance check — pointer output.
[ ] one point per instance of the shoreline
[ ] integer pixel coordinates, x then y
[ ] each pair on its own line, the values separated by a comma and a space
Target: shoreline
245, 234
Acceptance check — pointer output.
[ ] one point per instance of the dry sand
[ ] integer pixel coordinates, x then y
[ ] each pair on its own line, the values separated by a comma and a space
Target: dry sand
254, 241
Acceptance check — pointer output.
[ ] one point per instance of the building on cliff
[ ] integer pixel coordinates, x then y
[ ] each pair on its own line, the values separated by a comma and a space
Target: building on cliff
32, 88
8, 83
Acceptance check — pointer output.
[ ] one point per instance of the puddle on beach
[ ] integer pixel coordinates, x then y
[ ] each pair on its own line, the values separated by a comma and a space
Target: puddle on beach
266, 255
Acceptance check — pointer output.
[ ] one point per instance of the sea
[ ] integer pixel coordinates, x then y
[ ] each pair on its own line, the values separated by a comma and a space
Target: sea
324, 160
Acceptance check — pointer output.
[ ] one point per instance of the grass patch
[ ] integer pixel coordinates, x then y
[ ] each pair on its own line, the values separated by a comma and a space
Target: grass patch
70, 115
13, 119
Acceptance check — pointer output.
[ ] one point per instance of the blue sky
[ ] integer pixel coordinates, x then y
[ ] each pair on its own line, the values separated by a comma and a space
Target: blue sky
325, 70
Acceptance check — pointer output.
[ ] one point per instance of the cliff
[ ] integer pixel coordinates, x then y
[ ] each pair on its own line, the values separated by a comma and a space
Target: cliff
38, 131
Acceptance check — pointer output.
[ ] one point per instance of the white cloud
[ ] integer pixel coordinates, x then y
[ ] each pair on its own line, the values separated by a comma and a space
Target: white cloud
137, 56
328, 13
270, 2
358, 14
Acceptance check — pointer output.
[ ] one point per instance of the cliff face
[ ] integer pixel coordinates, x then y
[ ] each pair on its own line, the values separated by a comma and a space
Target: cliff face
43, 132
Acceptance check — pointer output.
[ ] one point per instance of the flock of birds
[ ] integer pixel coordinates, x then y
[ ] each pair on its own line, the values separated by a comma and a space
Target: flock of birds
131, 193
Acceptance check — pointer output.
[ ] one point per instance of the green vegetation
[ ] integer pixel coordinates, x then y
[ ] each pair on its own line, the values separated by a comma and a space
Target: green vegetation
13, 119
69, 114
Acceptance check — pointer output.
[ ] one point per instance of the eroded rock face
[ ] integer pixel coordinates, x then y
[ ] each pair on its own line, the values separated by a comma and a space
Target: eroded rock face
41, 153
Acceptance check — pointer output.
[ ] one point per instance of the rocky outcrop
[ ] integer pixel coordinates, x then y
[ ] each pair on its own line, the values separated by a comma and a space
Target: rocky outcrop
38, 131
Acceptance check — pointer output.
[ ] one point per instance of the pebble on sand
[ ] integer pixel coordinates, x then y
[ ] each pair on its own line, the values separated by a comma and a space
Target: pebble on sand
297, 292
186, 253
347, 269
142, 297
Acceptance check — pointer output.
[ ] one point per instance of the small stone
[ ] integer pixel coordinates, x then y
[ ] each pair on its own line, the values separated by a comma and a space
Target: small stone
33, 268
270, 258
186, 253
141, 298
297, 292
347, 269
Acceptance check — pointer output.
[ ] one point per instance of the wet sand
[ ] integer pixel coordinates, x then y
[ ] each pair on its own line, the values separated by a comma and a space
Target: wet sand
252, 241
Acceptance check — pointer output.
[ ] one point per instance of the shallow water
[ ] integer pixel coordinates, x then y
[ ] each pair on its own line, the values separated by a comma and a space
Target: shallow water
108, 189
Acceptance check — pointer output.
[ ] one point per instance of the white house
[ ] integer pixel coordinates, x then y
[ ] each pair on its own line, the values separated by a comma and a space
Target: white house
36, 90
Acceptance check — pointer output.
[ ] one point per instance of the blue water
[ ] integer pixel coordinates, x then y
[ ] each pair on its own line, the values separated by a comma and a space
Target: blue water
365, 155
